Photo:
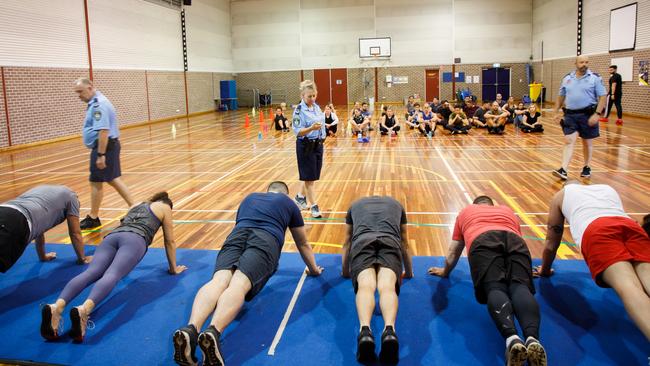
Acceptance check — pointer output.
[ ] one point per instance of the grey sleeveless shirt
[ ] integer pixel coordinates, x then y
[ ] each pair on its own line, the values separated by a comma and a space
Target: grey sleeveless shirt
140, 220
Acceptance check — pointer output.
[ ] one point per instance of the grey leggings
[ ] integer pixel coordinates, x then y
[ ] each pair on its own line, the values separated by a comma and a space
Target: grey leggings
114, 258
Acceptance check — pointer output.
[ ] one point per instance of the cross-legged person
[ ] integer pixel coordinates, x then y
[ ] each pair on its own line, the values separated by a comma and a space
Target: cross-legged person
331, 120
374, 253
427, 121
280, 121
615, 248
246, 261
496, 119
389, 124
413, 118
360, 126
501, 269
458, 121
530, 121
478, 118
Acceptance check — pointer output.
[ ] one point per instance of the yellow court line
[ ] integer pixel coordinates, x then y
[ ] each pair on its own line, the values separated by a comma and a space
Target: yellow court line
563, 250
332, 245
88, 232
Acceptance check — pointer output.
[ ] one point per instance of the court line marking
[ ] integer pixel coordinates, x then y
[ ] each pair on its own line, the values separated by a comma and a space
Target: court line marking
287, 314
454, 176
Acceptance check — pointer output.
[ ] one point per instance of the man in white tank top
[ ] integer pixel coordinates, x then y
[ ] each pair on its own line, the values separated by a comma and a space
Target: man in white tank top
615, 247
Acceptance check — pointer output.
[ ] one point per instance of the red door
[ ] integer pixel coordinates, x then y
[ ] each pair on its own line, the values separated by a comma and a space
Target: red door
432, 78
322, 80
339, 86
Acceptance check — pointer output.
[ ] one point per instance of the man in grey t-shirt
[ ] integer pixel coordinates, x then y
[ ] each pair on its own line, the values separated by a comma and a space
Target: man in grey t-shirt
374, 252
27, 218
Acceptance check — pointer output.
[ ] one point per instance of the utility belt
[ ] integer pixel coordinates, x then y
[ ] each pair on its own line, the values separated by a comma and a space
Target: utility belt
109, 145
588, 110
309, 145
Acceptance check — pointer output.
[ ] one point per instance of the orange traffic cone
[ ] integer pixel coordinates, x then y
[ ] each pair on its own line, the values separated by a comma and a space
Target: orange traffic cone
261, 116
248, 121
271, 114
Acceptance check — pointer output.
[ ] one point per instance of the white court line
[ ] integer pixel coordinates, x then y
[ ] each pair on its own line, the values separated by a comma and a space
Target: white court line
454, 176
287, 314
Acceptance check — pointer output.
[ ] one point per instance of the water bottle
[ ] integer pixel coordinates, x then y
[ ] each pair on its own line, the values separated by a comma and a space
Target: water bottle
259, 135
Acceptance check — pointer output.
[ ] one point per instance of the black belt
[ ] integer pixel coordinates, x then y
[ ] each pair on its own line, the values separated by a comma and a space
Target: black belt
588, 110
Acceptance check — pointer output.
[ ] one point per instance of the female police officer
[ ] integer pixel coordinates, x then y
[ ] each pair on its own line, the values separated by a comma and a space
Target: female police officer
310, 131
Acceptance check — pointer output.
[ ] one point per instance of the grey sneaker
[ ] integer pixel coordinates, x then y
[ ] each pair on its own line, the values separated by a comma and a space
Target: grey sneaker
301, 202
315, 212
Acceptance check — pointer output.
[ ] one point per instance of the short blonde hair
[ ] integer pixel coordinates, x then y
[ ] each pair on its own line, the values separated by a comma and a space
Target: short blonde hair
307, 85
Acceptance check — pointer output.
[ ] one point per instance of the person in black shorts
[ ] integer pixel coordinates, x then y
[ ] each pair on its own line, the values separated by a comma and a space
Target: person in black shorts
501, 270
530, 121
281, 123
331, 120
389, 124
478, 118
246, 261
375, 251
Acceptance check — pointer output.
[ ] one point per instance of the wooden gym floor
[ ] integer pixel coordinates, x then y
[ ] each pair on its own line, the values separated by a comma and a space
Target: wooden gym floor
212, 162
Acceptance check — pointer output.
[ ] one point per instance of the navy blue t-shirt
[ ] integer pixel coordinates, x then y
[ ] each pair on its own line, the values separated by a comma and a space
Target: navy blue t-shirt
271, 212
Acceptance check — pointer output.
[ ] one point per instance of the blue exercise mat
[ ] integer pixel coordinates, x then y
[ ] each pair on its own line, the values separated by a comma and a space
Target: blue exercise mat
439, 322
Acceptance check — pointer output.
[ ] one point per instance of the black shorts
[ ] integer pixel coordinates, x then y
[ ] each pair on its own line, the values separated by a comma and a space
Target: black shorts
278, 127
579, 122
375, 253
310, 159
14, 233
252, 251
113, 169
499, 256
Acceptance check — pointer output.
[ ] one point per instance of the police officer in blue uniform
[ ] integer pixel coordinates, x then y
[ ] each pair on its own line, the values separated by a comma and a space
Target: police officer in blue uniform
309, 127
101, 135
583, 95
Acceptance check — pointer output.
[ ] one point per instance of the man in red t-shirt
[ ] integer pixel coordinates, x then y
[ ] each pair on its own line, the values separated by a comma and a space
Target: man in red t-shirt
502, 275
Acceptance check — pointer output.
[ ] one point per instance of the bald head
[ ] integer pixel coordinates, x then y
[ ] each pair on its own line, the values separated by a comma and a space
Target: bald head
84, 89
582, 64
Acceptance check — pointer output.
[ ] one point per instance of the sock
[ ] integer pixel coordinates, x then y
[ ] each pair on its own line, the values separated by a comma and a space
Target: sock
531, 339
511, 339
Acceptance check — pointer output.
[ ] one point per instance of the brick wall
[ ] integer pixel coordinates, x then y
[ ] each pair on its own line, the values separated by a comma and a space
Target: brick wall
3, 120
397, 92
289, 81
126, 89
635, 96
166, 94
200, 91
356, 91
42, 103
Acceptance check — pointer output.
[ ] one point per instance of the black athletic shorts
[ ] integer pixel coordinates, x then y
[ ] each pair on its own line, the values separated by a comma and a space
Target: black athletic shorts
14, 233
113, 169
252, 251
579, 122
499, 256
310, 159
376, 253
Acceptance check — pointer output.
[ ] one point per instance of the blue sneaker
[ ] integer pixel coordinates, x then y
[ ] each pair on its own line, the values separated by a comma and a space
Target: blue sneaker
365, 139
359, 138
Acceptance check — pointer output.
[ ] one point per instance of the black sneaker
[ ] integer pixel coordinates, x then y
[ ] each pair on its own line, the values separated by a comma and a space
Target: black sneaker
586, 172
365, 346
536, 353
516, 353
185, 346
389, 346
47, 331
561, 173
209, 341
90, 223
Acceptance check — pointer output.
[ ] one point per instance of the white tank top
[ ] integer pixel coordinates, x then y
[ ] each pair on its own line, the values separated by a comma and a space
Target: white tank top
584, 204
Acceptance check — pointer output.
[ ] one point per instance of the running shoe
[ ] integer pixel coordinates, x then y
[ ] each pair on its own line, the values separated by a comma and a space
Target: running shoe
315, 212
90, 223
516, 353
365, 346
209, 341
561, 173
301, 201
536, 352
586, 172
389, 353
185, 346
47, 331
79, 322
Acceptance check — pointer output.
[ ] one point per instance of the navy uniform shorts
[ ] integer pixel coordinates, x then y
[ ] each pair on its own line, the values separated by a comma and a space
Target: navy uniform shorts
310, 159
113, 169
579, 122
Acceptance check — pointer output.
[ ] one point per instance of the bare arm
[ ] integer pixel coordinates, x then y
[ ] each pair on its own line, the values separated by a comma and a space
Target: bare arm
345, 257
406, 253
40, 249
170, 244
554, 230
300, 238
383, 122
77, 239
455, 250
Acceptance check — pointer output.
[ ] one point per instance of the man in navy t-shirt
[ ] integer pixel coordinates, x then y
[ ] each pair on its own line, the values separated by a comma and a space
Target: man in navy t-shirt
247, 260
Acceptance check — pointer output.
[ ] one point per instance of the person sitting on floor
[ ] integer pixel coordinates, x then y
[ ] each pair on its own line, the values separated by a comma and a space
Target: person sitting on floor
470, 108
281, 123
518, 114
413, 120
246, 261
530, 121
367, 114
510, 107
435, 105
331, 120
478, 118
496, 119
120, 251
458, 122
375, 252
444, 112
389, 123
501, 269
500, 100
360, 126
27, 217
427, 121
409, 106
615, 248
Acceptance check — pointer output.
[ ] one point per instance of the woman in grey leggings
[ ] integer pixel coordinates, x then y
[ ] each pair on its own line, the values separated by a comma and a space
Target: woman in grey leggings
120, 251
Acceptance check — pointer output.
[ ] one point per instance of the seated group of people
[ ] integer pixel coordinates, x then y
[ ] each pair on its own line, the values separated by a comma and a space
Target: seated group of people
376, 255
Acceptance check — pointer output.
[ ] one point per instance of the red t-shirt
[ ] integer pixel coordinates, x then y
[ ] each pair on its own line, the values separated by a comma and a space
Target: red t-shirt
474, 220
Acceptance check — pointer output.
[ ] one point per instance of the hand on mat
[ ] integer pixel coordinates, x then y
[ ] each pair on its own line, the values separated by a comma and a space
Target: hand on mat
86, 260
315, 273
178, 270
437, 271
101, 162
537, 272
49, 257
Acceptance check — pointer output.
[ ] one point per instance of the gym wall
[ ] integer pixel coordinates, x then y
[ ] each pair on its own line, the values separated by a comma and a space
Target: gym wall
137, 62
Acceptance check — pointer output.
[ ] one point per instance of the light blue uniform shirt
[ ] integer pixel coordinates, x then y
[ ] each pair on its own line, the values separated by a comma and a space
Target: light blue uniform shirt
100, 115
305, 117
582, 92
